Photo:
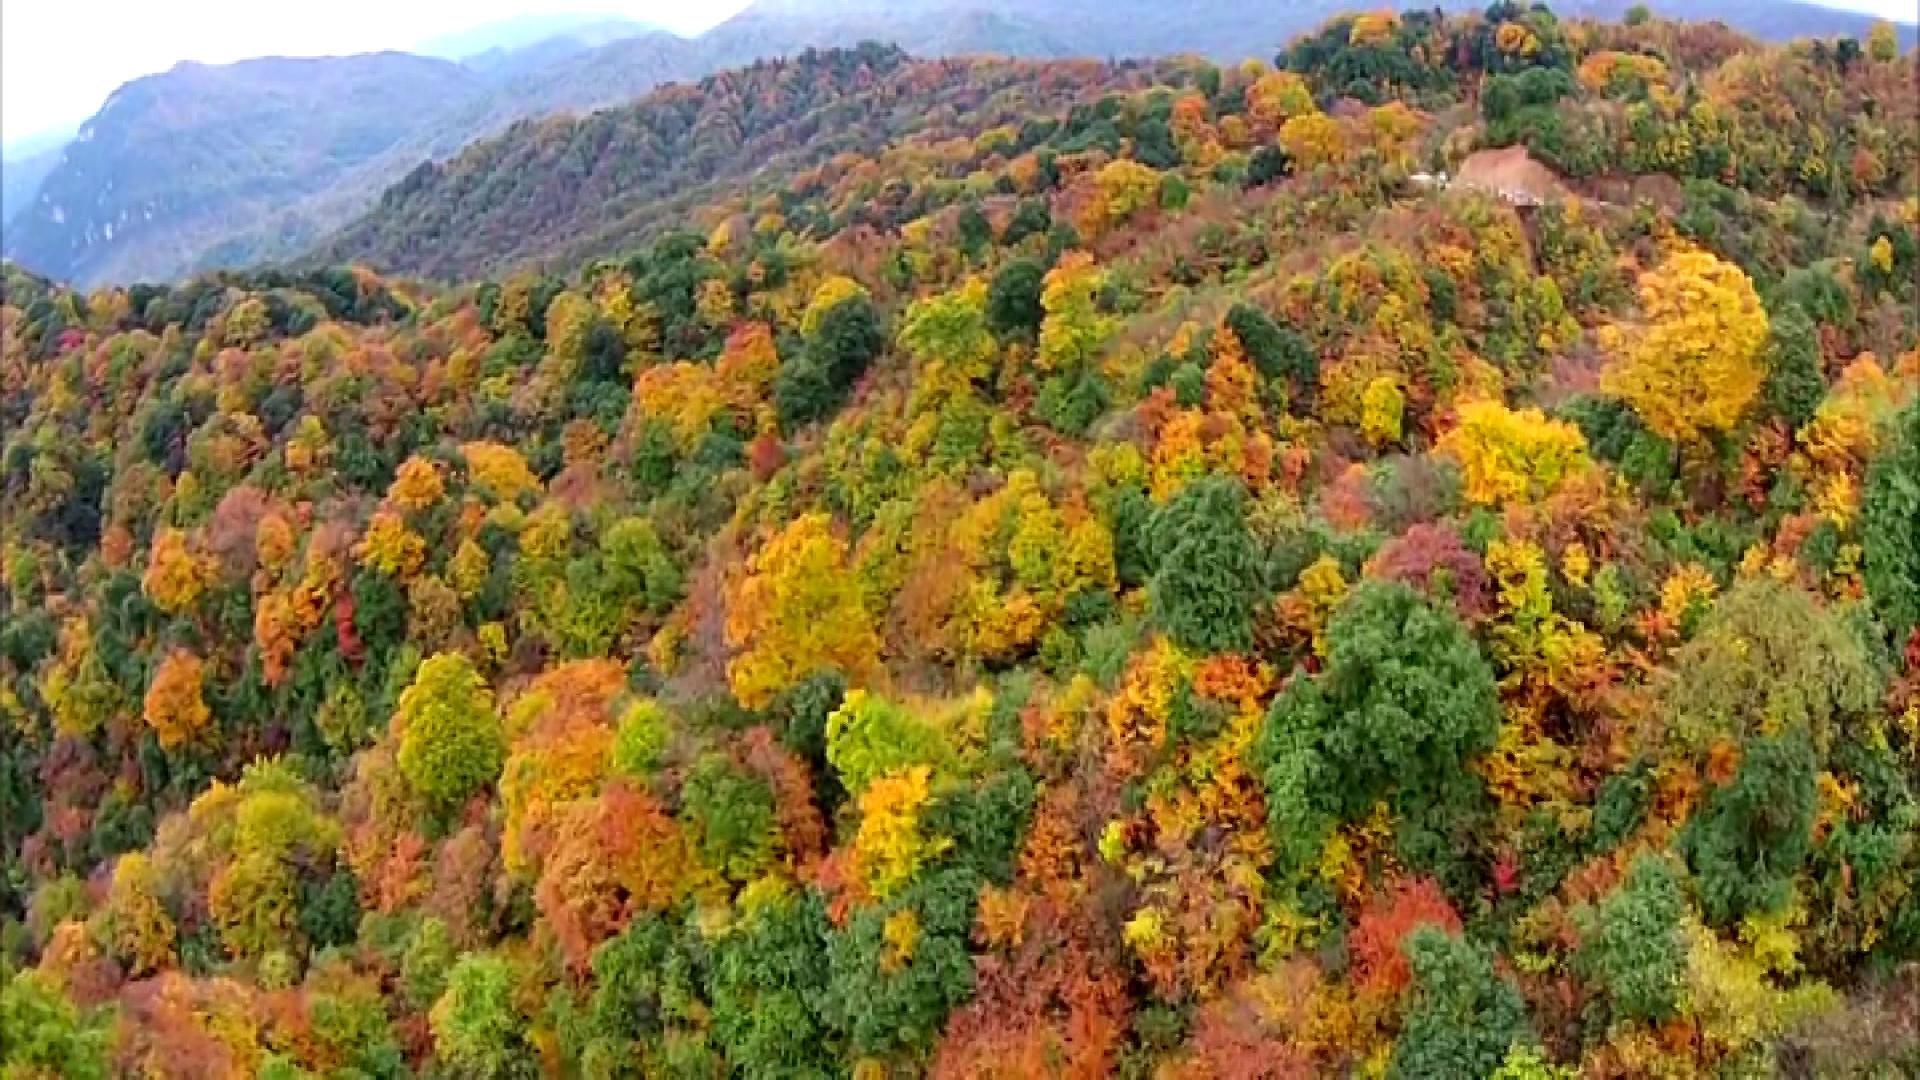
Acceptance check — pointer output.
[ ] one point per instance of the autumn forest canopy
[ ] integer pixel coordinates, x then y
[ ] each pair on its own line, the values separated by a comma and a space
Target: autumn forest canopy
1401, 558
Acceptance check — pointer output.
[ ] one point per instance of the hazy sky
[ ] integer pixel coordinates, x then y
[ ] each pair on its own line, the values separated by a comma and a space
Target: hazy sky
59, 59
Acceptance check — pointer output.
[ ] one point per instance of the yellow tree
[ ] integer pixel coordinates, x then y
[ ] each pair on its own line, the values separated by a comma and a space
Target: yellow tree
1383, 407
141, 930
1883, 42
417, 485
1506, 454
1313, 139
832, 292
1126, 187
274, 541
1277, 97
891, 847
797, 611
1694, 366
569, 320
1373, 30
499, 470
175, 577
1073, 330
392, 548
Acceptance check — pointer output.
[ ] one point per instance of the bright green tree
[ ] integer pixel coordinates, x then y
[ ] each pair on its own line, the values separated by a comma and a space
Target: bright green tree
477, 1031
1891, 528
731, 816
451, 740
1632, 945
869, 736
42, 1034
765, 980
898, 969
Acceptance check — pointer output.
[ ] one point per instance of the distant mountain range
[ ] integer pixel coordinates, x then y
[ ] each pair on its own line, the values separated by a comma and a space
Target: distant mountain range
24, 164
177, 163
507, 36
260, 160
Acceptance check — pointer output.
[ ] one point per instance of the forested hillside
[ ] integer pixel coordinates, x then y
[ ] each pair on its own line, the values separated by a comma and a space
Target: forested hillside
561, 190
558, 189
1226, 30
260, 162
1401, 560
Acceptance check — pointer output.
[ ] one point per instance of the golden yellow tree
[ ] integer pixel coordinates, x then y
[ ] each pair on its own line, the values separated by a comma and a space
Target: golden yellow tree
1126, 188
1694, 366
175, 577
390, 547
174, 707
499, 470
1508, 454
1383, 407
891, 847
798, 611
141, 930
1373, 30
1313, 139
417, 485
1883, 42
274, 541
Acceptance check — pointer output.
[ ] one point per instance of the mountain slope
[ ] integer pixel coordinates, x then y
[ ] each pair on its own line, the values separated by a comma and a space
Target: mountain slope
1768, 20
524, 31
209, 167
561, 188
1116, 580
511, 59
1103, 576
1231, 30
25, 164
175, 161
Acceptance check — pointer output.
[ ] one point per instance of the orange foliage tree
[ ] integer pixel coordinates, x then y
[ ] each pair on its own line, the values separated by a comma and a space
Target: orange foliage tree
175, 709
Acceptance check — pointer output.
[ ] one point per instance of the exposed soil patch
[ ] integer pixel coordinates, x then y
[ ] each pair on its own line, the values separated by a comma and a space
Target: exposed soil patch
1513, 173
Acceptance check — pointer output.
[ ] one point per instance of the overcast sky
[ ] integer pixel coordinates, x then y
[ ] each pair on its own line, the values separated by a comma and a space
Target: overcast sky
60, 59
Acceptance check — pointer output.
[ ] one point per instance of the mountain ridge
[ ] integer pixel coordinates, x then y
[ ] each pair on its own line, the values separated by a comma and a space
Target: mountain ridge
273, 210
521, 31
170, 159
